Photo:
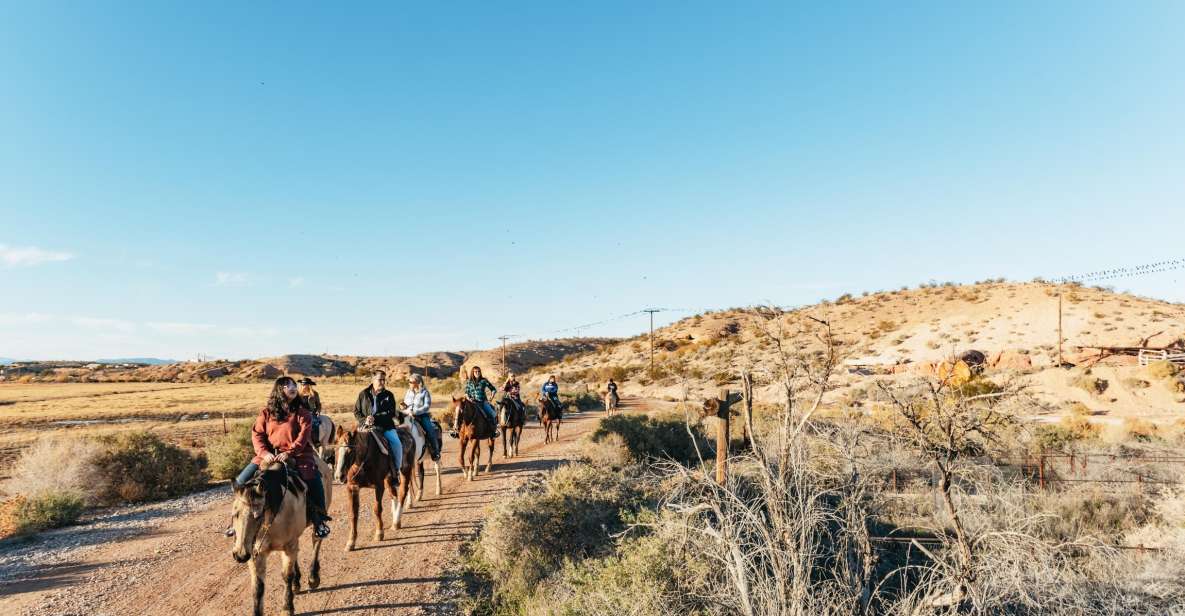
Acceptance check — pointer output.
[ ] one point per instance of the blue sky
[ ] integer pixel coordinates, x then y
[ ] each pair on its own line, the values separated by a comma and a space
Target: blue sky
230, 180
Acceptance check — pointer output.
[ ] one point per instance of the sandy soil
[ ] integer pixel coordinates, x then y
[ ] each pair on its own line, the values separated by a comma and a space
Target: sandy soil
184, 566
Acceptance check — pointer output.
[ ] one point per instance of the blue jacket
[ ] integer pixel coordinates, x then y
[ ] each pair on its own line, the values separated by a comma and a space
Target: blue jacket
551, 389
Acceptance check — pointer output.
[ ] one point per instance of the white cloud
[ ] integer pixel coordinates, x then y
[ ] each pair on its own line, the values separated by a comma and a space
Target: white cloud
104, 324
23, 319
296, 282
13, 256
230, 279
252, 332
180, 328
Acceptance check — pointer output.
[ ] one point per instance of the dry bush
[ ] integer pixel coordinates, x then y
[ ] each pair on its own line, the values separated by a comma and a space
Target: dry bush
231, 452
57, 466
1162, 370
1088, 383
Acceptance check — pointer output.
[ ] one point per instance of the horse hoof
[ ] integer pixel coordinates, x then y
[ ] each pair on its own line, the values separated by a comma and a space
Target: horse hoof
349, 547
314, 582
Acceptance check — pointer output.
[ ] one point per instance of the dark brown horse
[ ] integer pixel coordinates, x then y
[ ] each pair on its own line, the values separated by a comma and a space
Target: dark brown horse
550, 415
474, 428
511, 419
361, 463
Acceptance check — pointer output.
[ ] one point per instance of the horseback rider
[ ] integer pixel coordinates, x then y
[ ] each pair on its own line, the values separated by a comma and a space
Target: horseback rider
283, 434
513, 390
417, 402
475, 389
312, 401
376, 408
551, 389
611, 387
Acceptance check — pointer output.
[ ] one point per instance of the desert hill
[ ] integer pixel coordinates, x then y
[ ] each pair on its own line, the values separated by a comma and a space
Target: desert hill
440, 364
899, 333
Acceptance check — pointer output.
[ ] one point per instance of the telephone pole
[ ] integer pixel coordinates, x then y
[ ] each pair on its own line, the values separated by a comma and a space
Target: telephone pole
505, 368
652, 311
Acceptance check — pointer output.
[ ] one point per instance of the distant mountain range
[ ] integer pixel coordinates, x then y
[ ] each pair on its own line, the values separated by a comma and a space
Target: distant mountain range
152, 361
6, 360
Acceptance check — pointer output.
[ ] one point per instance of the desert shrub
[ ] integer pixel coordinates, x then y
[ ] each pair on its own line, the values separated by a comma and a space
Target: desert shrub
1091, 513
1089, 383
1162, 370
1060, 436
49, 509
617, 373
231, 452
139, 466
648, 438
586, 401
1134, 383
57, 466
1080, 409
569, 517
444, 387
609, 452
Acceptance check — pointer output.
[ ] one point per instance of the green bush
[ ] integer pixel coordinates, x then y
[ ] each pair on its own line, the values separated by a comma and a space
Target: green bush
46, 510
586, 401
570, 517
139, 466
647, 437
231, 452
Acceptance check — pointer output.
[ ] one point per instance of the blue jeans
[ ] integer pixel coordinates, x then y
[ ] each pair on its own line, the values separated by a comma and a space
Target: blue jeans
247, 473
429, 427
488, 409
396, 447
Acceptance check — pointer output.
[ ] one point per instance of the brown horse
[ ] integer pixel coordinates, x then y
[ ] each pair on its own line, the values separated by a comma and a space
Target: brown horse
269, 515
474, 428
511, 419
360, 462
550, 416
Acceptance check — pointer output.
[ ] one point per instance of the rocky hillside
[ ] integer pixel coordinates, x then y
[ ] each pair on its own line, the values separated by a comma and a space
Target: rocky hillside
1014, 326
439, 364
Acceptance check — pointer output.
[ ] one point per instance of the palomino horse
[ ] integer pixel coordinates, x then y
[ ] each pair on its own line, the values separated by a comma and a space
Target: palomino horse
474, 428
611, 403
550, 416
324, 437
269, 515
361, 462
511, 419
407, 482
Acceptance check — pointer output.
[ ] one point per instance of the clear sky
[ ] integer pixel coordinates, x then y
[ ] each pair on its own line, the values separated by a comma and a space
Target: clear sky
244, 179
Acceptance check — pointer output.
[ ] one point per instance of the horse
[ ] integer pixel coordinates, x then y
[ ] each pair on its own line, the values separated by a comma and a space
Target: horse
268, 515
550, 416
324, 438
369, 466
474, 428
407, 482
511, 419
611, 402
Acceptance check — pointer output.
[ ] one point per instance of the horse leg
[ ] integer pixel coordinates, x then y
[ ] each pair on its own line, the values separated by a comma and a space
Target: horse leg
288, 562
352, 538
461, 458
378, 508
258, 569
490, 460
420, 480
437, 465
397, 499
315, 567
505, 438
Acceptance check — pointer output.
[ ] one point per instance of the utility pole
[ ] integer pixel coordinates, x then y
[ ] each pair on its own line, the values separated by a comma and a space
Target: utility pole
505, 368
1059, 328
652, 311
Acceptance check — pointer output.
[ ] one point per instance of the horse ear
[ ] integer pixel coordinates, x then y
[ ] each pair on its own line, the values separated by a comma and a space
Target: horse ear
456, 399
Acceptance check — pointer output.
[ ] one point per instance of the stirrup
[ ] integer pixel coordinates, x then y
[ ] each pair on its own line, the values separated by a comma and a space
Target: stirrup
321, 530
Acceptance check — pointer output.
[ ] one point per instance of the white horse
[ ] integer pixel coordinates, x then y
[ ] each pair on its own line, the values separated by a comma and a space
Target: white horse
421, 445
324, 438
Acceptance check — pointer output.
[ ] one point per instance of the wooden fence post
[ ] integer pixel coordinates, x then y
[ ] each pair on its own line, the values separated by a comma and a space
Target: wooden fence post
720, 408
747, 392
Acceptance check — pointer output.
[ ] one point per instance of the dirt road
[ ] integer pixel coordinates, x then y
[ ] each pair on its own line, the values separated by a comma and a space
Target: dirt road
184, 566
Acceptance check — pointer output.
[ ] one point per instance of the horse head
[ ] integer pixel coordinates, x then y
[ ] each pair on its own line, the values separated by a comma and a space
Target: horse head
346, 451
252, 501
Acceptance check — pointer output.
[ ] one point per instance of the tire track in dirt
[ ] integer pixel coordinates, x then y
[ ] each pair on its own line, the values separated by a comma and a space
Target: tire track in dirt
184, 566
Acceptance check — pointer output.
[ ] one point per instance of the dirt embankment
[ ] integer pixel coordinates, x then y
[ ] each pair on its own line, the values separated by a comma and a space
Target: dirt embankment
171, 558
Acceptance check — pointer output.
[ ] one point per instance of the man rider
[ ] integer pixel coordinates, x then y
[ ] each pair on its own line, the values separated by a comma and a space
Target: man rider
376, 408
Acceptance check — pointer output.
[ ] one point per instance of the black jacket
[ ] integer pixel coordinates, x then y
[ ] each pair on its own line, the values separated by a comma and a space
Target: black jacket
385, 416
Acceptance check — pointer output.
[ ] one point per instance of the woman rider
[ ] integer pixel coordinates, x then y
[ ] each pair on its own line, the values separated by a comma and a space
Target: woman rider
551, 389
475, 389
417, 402
283, 433
312, 401
514, 391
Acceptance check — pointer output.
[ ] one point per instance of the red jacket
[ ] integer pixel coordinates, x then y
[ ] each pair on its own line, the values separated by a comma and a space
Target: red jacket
292, 436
